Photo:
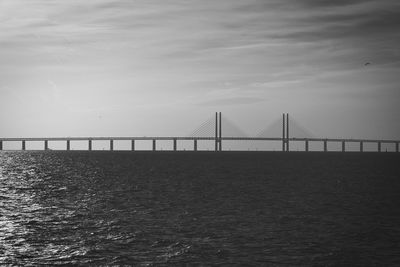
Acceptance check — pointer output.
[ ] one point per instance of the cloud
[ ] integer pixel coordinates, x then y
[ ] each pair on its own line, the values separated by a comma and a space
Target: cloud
359, 24
232, 101
328, 3
109, 53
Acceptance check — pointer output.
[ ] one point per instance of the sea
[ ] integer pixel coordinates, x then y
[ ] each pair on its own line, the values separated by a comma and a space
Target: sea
199, 208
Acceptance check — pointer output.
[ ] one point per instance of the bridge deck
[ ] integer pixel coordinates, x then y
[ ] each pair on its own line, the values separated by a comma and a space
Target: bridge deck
127, 138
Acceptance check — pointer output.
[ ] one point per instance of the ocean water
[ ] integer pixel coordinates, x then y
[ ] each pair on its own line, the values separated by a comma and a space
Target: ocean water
204, 208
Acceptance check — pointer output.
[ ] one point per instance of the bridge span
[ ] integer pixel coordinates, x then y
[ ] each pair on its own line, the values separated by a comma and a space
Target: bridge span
175, 139
217, 138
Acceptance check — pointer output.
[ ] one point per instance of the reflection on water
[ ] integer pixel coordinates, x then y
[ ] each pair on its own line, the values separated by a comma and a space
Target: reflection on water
199, 208
22, 177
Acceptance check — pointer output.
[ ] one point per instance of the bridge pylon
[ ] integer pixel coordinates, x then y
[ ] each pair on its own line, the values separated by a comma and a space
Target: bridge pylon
218, 131
285, 132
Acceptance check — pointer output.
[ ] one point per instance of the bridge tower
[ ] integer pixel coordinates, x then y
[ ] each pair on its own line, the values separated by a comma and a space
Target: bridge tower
218, 131
285, 132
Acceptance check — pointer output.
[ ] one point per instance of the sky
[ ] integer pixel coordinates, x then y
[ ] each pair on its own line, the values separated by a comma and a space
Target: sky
159, 68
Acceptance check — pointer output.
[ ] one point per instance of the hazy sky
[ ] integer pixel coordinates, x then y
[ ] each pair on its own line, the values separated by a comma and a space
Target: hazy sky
145, 67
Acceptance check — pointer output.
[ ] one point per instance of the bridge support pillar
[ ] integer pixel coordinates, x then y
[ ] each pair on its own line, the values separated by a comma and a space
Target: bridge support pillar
343, 146
154, 144
325, 145
306, 145
68, 145
361, 146
90, 145
46, 145
111, 145
1, 145
379, 147
175, 144
23, 145
195, 145
133, 145
397, 146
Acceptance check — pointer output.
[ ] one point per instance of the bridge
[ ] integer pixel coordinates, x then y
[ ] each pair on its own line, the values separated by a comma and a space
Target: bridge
212, 130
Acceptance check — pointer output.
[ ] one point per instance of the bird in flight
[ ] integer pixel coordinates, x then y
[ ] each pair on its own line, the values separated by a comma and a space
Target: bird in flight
366, 64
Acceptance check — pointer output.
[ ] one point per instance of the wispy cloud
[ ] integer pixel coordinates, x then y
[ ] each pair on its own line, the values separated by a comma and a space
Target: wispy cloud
229, 101
111, 53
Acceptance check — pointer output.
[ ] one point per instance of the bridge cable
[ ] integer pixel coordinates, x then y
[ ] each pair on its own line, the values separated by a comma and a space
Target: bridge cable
206, 129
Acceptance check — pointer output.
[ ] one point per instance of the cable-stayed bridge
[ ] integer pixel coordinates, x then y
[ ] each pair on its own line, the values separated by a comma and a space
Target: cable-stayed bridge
221, 130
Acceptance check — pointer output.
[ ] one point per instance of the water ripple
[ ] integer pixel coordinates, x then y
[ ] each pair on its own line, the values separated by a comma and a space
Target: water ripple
207, 209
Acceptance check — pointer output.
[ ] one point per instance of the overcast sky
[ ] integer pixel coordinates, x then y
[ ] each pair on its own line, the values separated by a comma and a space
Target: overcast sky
145, 67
